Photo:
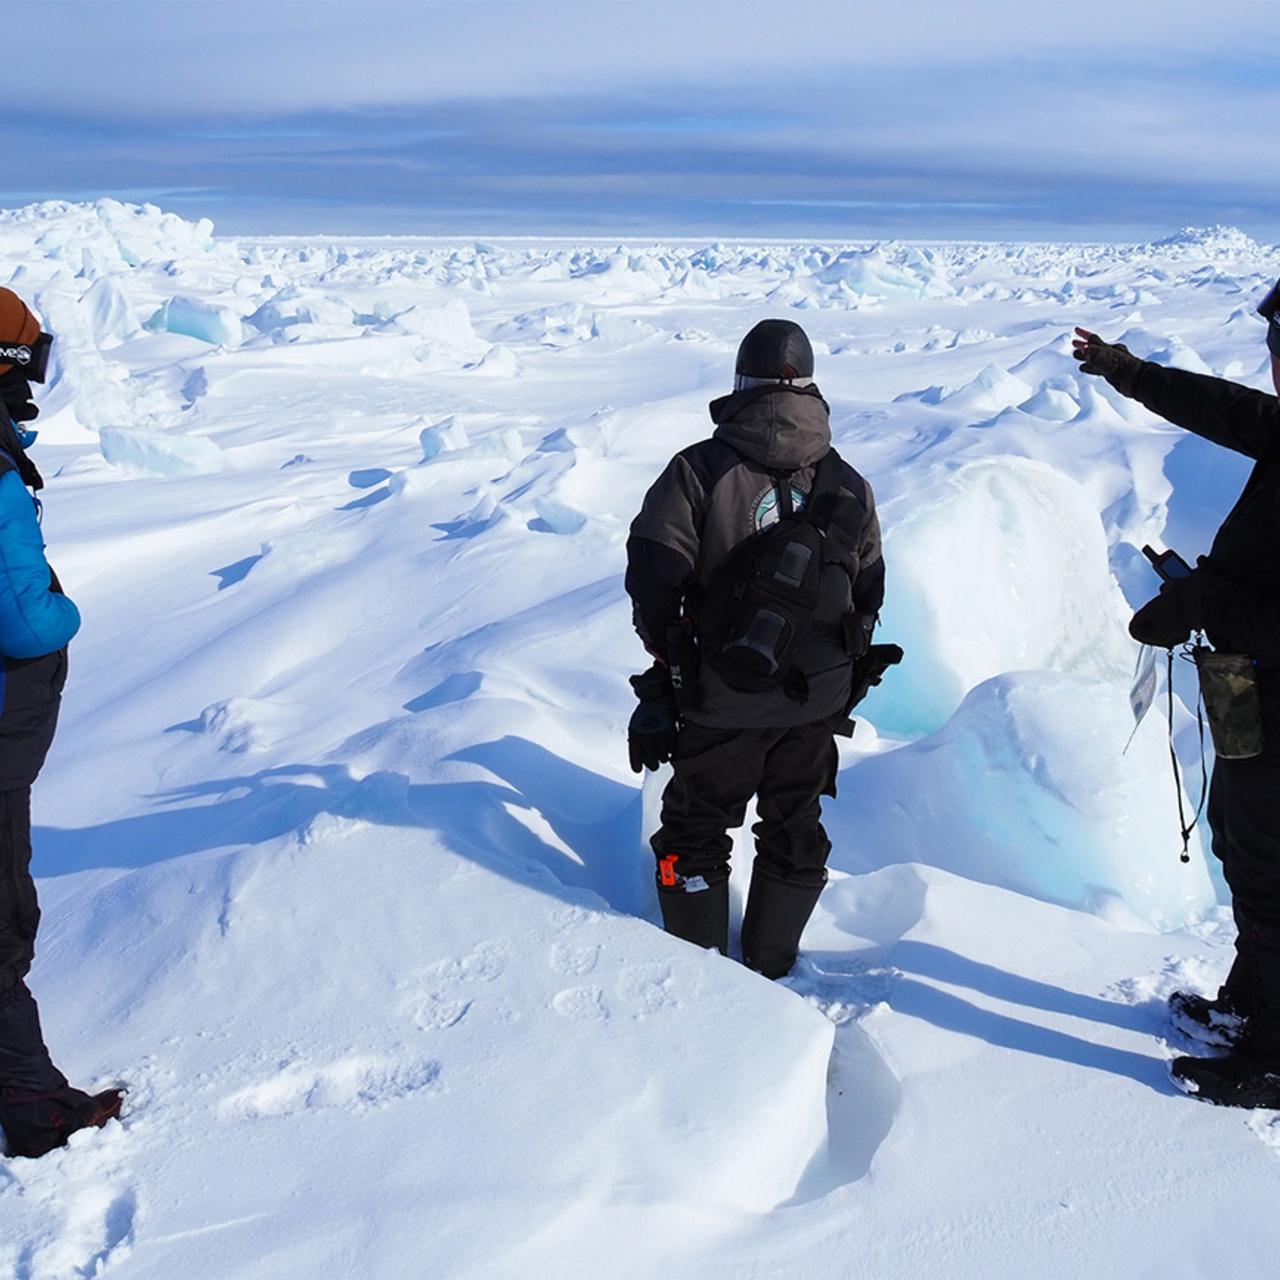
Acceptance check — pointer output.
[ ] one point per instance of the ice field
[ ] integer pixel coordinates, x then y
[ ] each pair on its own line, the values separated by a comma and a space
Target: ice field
343, 869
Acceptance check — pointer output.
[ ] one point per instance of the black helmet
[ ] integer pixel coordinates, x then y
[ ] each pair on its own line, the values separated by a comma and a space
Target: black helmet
775, 351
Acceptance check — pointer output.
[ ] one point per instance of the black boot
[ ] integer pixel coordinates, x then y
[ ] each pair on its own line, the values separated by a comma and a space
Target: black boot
1248, 1076
1218, 1023
699, 915
777, 912
34, 1124
38, 1111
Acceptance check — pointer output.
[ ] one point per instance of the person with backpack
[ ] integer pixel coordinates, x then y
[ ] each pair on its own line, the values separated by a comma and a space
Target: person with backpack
756, 577
38, 1109
1233, 597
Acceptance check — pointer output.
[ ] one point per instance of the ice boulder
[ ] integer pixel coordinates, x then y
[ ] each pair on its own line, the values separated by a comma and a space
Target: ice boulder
877, 272
290, 306
109, 312
447, 328
205, 321
997, 565
161, 453
1029, 787
445, 436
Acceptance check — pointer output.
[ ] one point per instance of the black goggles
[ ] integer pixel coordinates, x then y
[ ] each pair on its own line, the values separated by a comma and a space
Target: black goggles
30, 359
1269, 310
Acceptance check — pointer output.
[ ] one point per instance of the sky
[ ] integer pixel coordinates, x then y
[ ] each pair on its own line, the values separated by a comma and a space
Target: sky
1125, 120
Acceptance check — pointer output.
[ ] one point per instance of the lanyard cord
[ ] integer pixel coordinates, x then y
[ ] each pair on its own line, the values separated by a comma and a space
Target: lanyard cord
1185, 827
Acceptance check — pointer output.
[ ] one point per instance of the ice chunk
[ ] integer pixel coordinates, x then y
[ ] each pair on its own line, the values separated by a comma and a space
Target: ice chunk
160, 452
110, 313
873, 271
498, 362
448, 326
206, 321
557, 517
290, 306
999, 565
442, 437
1029, 787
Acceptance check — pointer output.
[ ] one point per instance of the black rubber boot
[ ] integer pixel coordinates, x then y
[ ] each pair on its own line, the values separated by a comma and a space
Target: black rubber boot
777, 912
699, 915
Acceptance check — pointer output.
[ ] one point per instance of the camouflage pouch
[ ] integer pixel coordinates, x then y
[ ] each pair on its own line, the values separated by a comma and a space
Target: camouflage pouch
1229, 687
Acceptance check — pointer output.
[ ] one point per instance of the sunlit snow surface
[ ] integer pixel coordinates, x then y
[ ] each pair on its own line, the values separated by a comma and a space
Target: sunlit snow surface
343, 869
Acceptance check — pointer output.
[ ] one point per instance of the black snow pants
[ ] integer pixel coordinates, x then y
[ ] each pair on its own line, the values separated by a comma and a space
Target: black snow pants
717, 771
1244, 818
19, 910
25, 1064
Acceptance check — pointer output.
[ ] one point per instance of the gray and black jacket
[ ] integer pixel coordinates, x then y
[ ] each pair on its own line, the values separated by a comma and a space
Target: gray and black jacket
716, 494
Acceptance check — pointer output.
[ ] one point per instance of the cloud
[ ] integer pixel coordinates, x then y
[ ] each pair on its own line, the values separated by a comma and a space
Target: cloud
550, 115
180, 56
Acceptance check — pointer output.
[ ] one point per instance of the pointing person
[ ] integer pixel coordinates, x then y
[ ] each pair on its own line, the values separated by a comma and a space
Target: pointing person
1233, 596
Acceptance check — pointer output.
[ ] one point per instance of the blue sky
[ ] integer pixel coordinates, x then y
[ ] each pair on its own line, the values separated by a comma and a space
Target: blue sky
927, 118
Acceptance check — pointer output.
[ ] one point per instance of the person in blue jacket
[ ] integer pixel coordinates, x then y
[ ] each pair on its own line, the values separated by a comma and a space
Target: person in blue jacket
38, 1109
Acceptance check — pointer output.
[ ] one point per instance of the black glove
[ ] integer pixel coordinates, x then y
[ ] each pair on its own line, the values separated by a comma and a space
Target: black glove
1110, 360
1177, 611
655, 723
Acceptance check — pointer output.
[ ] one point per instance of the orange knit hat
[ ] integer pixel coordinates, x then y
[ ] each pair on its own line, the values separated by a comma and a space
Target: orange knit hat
17, 324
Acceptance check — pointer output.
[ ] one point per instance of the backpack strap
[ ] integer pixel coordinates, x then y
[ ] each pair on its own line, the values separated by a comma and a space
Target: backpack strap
820, 509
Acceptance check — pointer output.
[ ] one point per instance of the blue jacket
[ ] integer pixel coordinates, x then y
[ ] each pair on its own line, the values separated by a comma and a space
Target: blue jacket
33, 619
36, 621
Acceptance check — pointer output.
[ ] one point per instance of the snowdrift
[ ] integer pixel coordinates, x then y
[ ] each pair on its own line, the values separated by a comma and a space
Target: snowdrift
342, 865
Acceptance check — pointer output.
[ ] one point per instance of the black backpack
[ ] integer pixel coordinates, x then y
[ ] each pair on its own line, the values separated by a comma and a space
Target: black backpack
756, 617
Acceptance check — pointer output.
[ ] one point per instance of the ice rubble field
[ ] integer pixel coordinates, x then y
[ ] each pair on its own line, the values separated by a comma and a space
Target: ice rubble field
343, 869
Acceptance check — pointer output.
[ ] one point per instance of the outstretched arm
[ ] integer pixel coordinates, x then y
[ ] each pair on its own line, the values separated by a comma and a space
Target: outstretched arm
1223, 412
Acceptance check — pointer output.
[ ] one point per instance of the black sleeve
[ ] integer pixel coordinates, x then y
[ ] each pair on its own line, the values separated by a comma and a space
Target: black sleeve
1240, 619
1225, 413
657, 579
868, 587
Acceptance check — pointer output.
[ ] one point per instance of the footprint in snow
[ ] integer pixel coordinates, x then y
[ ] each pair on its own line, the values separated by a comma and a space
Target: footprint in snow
355, 1083
91, 1211
573, 961
648, 989
97, 1231
433, 1000
581, 1004
436, 1012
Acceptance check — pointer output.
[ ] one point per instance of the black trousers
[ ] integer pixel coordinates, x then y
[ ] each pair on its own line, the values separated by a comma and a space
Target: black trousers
19, 910
25, 1065
717, 771
1244, 818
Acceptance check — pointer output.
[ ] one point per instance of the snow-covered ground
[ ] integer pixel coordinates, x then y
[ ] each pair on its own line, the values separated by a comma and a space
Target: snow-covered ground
343, 869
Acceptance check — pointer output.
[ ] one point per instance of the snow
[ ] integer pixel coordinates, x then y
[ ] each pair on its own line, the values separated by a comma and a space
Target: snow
342, 865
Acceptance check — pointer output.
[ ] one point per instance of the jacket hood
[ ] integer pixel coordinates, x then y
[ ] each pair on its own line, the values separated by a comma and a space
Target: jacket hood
781, 427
